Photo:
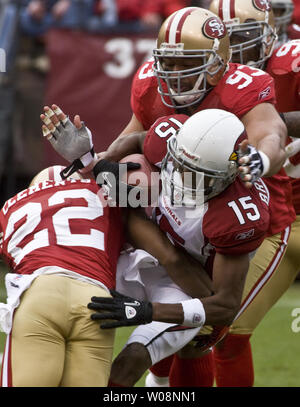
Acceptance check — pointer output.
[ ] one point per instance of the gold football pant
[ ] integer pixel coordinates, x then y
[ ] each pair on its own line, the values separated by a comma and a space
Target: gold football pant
53, 341
272, 270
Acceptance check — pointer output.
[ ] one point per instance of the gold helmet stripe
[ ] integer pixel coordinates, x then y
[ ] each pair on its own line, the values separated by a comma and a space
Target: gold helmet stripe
173, 31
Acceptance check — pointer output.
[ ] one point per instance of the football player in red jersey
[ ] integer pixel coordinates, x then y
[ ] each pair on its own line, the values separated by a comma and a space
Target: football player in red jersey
251, 28
200, 231
191, 72
62, 241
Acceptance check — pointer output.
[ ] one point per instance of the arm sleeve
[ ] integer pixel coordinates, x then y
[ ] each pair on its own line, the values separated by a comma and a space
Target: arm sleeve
261, 90
155, 143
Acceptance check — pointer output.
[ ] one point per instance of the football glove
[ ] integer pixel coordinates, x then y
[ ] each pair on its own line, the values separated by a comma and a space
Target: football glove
108, 175
74, 145
254, 163
126, 311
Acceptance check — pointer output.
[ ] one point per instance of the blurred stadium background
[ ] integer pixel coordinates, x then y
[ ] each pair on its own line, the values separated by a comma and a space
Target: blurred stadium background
82, 55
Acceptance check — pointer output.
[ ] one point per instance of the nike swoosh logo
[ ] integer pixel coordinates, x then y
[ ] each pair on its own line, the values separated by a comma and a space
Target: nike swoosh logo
132, 303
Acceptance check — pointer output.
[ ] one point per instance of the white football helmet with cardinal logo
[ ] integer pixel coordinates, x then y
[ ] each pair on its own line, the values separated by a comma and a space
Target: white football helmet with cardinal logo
202, 159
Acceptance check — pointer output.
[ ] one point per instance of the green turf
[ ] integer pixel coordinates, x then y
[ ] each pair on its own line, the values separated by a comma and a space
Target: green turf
275, 346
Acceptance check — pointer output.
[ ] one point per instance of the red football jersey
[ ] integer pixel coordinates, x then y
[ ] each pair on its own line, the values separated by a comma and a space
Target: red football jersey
239, 90
64, 224
284, 66
234, 222
281, 208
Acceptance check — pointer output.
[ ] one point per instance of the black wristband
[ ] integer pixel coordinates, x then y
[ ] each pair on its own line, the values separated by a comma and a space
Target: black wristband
75, 166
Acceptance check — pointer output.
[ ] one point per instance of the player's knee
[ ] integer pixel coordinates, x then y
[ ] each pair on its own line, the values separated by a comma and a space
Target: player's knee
130, 365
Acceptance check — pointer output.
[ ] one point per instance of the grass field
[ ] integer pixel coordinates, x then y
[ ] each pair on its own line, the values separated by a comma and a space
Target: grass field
276, 348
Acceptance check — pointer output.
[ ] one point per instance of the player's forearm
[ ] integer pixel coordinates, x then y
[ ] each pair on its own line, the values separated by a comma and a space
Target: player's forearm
189, 275
172, 313
124, 145
216, 312
185, 271
267, 132
273, 147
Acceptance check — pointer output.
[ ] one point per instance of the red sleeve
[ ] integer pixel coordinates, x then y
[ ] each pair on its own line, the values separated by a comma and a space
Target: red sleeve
246, 241
155, 143
283, 66
245, 220
143, 91
242, 88
261, 90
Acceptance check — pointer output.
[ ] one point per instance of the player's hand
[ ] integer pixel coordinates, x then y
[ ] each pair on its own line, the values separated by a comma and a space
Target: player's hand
251, 163
73, 141
125, 311
108, 175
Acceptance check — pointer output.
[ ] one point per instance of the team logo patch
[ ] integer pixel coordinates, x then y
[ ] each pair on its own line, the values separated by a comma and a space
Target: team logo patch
130, 312
245, 235
262, 5
197, 319
265, 93
214, 28
233, 156
188, 155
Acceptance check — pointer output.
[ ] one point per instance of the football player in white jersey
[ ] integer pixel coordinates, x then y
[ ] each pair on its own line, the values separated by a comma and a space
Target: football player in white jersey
220, 230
